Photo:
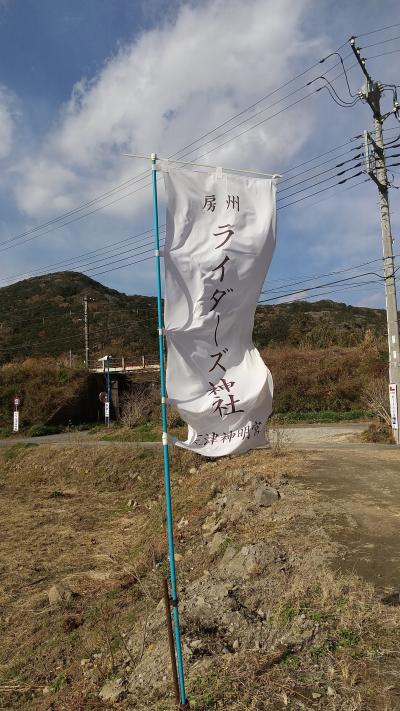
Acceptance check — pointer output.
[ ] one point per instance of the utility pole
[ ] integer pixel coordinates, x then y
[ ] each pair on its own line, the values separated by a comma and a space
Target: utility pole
371, 94
86, 325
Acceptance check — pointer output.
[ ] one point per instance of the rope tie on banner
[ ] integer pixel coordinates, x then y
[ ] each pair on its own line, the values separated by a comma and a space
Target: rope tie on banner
184, 704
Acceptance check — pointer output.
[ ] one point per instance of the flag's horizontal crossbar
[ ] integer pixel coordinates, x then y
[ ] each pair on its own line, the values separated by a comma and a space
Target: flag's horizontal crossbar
204, 165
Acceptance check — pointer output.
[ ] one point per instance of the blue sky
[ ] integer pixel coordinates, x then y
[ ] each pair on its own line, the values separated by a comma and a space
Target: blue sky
83, 82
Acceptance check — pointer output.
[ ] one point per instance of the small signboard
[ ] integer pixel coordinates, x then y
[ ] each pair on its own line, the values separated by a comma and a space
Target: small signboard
16, 421
107, 410
393, 405
17, 401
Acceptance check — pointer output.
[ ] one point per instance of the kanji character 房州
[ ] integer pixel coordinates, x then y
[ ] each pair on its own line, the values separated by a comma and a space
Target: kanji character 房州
222, 267
209, 203
218, 357
232, 201
217, 296
226, 230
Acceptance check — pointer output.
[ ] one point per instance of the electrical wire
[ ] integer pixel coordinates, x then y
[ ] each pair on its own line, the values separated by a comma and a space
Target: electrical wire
143, 175
375, 44
71, 260
320, 182
323, 172
374, 32
383, 54
338, 100
343, 68
317, 192
323, 286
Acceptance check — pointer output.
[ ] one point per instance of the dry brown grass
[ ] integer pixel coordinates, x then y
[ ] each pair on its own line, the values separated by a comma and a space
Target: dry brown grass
67, 519
318, 379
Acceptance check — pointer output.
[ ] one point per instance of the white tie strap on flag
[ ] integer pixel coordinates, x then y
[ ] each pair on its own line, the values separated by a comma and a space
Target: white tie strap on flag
219, 244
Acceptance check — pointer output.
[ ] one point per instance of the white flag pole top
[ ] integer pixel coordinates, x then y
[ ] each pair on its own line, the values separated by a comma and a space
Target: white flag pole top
202, 165
219, 244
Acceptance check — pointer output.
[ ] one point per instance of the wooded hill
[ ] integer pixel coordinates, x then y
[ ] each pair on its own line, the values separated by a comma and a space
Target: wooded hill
43, 316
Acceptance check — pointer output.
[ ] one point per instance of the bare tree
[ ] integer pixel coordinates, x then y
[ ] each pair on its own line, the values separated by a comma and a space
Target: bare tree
376, 399
136, 406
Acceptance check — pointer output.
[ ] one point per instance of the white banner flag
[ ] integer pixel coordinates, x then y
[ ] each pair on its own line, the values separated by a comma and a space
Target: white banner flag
219, 244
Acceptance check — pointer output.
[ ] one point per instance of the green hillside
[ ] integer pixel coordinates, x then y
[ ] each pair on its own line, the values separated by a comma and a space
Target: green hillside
43, 316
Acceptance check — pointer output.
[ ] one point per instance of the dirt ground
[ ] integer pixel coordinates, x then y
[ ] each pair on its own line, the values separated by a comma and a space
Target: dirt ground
276, 553
364, 488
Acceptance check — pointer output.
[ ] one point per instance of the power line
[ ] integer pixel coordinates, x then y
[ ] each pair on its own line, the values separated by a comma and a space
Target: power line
320, 182
383, 54
105, 248
322, 286
320, 165
138, 236
374, 32
317, 192
143, 175
375, 44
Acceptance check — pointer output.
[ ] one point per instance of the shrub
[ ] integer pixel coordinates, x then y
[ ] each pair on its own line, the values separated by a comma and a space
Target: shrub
42, 430
136, 405
376, 398
378, 433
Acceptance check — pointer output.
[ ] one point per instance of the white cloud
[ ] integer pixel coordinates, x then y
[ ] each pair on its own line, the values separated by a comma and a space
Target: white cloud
6, 123
173, 83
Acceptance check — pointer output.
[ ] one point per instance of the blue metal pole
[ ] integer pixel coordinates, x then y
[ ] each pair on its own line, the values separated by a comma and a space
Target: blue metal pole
168, 497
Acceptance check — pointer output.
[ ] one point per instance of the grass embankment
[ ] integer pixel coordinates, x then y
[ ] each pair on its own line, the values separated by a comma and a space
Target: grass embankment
288, 633
310, 385
42, 384
323, 380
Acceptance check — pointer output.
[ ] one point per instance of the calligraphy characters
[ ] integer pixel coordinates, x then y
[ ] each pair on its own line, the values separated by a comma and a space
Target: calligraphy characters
224, 401
210, 202
245, 432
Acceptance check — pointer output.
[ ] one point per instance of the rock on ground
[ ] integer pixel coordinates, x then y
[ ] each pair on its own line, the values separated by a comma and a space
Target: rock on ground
112, 690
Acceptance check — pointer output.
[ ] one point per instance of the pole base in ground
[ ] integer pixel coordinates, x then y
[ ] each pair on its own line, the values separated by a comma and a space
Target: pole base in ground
167, 603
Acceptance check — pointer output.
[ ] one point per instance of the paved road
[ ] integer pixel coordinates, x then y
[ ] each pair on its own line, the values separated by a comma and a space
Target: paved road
340, 436
361, 510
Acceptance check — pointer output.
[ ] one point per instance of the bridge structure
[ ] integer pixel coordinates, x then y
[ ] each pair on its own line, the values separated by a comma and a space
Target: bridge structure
123, 365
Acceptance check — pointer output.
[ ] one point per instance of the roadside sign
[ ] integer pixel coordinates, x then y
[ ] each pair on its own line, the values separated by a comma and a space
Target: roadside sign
17, 401
107, 410
393, 405
16, 421
103, 397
